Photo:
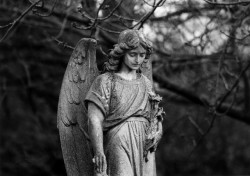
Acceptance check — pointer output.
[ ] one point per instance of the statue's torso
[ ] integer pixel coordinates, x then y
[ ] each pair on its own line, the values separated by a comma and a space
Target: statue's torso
120, 99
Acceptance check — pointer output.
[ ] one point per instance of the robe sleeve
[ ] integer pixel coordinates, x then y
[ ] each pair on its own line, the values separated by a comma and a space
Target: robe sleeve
149, 85
99, 93
154, 100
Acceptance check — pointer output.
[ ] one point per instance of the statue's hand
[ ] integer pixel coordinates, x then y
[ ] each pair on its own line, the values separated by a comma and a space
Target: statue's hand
158, 135
100, 164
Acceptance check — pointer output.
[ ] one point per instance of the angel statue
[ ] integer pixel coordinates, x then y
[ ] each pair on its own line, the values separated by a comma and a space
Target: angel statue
110, 123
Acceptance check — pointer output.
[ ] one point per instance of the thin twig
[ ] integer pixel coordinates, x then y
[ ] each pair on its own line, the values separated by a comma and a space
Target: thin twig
81, 27
218, 74
63, 44
99, 9
243, 38
204, 134
122, 17
214, 109
152, 5
108, 30
111, 13
234, 85
85, 14
224, 81
49, 13
229, 107
103, 52
195, 125
145, 18
27, 72
228, 3
65, 20
5, 26
94, 20
17, 21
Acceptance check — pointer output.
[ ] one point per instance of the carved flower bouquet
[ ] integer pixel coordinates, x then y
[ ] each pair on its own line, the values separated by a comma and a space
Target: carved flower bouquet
154, 130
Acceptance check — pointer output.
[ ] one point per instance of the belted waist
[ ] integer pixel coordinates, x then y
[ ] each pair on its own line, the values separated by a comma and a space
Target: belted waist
141, 119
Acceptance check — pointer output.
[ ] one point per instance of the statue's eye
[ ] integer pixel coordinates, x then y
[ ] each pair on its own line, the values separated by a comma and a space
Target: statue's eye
142, 55
132, 54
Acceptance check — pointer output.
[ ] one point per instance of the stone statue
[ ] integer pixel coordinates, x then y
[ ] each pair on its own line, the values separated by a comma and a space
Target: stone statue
110, 124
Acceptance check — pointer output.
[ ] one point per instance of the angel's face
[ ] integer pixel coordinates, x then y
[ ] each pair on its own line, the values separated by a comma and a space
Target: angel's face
134, 58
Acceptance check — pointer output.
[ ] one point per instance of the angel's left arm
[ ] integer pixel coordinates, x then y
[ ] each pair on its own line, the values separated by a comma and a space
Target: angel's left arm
96, 118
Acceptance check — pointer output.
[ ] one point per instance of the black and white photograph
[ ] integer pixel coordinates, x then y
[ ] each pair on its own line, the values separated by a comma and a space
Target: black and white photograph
124, 87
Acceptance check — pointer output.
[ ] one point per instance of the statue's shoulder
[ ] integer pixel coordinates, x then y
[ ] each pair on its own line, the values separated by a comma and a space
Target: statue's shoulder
105, 78
146, 79
148, 83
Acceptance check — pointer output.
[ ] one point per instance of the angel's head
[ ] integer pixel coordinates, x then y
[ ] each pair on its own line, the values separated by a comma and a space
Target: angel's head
129, 40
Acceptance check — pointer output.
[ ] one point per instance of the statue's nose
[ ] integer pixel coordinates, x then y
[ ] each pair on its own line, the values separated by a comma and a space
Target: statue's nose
137, 59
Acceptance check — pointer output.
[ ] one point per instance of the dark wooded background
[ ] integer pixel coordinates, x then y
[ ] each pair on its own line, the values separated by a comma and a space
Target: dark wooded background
201, 68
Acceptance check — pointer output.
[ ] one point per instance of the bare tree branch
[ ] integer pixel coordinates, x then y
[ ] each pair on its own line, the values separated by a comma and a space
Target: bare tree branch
196, 125
222, 100
216, 89
243, 38
204, 134
243, 2
111, 13
17, 21
108, 30
5, 26
63, 44
49, 13
123, 18
146, 17
215, 114
152, 5
95, 20
190, 10
201, 100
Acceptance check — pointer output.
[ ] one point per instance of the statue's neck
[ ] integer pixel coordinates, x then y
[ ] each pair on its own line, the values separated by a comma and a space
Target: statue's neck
127, 74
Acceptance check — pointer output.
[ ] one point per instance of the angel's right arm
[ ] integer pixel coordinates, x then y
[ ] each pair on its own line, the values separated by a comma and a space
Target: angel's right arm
96, 118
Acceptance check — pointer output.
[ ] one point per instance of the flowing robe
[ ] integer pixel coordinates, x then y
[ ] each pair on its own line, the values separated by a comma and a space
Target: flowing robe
125, 106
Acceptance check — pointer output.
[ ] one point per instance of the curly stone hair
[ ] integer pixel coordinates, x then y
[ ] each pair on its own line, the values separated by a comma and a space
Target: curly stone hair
128, 39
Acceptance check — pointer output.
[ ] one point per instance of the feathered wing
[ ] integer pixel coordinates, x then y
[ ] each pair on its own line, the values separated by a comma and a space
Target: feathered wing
72, 114
146, 69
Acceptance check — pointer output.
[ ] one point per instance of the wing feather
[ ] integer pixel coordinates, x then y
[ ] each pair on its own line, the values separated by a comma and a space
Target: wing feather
77, 80
72, 114
82, 75
146, 69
